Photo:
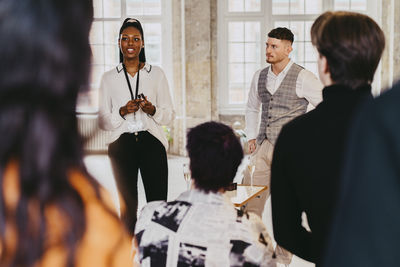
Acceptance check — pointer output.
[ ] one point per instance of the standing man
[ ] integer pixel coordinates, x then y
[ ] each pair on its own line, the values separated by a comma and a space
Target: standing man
283, 90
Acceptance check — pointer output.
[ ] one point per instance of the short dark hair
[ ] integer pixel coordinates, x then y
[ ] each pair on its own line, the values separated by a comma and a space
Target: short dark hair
129, 22
215, 154
282, 33
352, 44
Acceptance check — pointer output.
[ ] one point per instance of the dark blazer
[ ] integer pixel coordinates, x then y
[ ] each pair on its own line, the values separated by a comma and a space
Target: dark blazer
366, 230
306, 168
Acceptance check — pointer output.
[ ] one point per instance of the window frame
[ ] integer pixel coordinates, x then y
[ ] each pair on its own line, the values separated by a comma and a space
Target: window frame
267, 21
165, 20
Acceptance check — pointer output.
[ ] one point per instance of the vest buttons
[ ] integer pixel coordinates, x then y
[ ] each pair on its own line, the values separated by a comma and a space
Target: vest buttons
267, 125
269, 117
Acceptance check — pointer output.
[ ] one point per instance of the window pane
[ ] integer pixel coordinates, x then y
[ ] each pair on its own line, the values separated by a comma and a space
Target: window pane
282, 24
297, 54
134, 7
236, 53
111, 54
153, 42
252, 32
313, 6
311, 53
307, 30
236, 73
104, 37
252, 5
297, 27
313, 67
98, 54
109, 67
98, 8
97, 72
96, 33
112, 8
297, 7
252, 52
342, 4
236, 5
152, 32
236, 31
153, 54
237, 93
250, 69
280, 7
358, 4
146, 7
152, 7
111, 31
88, 102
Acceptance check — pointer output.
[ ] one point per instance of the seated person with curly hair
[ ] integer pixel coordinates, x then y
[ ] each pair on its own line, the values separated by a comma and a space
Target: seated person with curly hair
202, 227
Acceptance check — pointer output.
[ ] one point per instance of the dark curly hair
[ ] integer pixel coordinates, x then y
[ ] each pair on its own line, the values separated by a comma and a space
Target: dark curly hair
215, 154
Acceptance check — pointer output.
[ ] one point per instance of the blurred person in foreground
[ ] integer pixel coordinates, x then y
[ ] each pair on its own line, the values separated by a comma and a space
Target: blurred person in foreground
52, 212
202, 227
365, 231
309, 152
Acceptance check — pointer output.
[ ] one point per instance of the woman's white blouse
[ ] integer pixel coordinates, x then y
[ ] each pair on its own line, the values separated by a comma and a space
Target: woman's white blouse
114, 93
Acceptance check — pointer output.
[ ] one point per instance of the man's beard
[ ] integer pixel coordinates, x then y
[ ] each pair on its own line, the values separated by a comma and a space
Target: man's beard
272, 60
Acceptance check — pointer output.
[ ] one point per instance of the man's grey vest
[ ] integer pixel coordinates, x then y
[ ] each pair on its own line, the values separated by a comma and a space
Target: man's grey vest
281, 107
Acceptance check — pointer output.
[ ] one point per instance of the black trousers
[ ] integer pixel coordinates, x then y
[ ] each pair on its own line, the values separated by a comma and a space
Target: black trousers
128, 154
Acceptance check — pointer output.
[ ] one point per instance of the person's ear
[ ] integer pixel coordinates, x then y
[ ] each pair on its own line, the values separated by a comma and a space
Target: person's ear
323, 71
324, 65
289, 48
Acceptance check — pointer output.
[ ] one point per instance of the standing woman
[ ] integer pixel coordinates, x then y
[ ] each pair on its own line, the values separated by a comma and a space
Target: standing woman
134, 103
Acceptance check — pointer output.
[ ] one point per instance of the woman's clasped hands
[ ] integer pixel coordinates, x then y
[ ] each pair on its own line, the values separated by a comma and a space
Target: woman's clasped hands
140, 103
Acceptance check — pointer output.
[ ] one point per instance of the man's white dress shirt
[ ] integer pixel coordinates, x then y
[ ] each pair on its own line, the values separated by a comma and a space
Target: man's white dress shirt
307, 86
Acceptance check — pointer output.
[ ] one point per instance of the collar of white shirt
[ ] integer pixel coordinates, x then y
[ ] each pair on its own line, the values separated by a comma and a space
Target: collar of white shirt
284, 71
146, 67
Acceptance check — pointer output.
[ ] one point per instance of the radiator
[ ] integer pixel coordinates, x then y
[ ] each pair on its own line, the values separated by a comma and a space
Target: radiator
95, 139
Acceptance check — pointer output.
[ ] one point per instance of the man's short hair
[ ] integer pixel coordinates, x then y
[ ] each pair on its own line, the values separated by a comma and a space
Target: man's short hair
215, 154
282, 33
352, 44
